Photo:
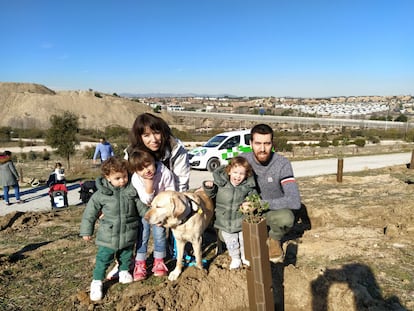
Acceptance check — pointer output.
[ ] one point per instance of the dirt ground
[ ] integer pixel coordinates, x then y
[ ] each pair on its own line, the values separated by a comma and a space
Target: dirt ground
351, 249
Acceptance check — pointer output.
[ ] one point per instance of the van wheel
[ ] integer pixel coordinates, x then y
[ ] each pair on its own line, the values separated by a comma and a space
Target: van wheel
212, 164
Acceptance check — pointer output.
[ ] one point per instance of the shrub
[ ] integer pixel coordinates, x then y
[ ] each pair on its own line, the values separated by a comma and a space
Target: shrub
183, 136
45, 155
88, 152
157, 109
281, 144
32, 155
374, 139
360, 142
324, 143
119, 149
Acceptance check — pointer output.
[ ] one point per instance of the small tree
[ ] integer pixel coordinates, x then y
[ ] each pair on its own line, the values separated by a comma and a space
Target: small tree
255, 215
62, 134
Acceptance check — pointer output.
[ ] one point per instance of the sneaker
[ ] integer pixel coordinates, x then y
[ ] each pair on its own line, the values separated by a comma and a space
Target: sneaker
114, 273
275, 251
8, 203
235, 263
159, 269
140, 270
96, 290
125, 277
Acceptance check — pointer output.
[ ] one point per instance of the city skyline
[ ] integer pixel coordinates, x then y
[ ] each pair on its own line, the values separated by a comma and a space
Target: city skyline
240, 48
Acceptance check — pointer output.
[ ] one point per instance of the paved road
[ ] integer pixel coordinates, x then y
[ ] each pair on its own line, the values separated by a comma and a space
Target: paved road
351, 164
37, 199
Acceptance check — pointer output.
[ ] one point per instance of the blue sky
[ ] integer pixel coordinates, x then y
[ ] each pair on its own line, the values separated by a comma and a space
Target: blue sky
297, 48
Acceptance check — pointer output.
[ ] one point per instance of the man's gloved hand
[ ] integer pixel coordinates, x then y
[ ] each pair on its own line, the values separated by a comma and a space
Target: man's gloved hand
247, 207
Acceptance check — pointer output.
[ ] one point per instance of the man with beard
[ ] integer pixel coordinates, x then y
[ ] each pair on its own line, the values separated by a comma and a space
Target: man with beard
276, 185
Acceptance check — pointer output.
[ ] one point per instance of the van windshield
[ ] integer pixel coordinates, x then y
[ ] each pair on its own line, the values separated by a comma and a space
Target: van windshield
214, 141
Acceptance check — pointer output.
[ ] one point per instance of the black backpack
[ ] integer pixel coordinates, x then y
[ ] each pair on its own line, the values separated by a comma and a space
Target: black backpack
51, 180
86, 190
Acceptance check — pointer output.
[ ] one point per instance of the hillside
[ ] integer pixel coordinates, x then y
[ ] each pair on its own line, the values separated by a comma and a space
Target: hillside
28, 105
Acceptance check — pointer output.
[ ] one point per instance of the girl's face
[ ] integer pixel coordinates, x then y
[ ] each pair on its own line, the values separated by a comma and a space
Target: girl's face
151, 139
118, 179
237, 175
148, 171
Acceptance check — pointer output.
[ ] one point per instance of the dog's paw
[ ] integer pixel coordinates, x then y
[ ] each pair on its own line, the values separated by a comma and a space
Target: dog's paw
173, 276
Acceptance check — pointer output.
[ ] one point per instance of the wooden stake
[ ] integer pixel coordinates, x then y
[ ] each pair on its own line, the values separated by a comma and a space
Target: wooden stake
340, 170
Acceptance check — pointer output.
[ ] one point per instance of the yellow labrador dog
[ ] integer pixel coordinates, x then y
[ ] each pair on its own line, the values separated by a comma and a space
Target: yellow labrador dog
187, 214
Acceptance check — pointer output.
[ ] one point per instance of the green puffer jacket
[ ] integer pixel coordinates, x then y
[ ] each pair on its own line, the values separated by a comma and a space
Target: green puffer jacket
121, 209
228, 199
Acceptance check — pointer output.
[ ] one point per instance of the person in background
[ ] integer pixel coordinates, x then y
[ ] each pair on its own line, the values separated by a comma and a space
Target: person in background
149, 178
117, 206
9, 177
232, 184
276, 185
104, 149
59, 173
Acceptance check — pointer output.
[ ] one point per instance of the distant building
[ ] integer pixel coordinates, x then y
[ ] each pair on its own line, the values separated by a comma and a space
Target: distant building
175, 108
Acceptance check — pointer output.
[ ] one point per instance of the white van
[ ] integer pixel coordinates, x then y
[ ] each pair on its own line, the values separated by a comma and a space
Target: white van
220, 148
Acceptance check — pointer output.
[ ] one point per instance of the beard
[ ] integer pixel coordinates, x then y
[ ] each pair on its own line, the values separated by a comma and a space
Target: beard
263, 157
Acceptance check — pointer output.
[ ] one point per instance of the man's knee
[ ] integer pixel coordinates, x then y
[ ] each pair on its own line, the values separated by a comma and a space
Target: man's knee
283, 218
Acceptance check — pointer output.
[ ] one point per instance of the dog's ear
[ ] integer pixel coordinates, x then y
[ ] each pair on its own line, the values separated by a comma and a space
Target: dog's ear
195, 200
178, 205
193, 197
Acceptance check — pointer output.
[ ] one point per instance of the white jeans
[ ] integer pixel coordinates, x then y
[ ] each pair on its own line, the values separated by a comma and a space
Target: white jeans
234, 243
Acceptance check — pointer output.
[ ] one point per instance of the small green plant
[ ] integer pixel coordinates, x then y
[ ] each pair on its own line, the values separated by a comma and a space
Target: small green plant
255, 215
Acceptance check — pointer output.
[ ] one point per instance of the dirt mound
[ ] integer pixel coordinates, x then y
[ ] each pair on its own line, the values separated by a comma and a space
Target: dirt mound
356, 253
8, 87
26, 105
18, 221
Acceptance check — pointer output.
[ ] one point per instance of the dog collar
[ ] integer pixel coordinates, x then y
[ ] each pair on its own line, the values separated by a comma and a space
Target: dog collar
191, 208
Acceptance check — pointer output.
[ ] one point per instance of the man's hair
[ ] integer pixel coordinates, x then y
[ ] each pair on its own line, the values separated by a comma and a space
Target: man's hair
239, 161
114, 165
261, 129
156, 124
138, 159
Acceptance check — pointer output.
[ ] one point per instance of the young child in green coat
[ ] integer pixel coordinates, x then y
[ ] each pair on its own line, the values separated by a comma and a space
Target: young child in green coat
231, 185
117, 206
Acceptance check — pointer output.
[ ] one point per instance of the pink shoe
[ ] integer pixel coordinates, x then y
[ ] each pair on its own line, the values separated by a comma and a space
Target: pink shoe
159, 269
140, 270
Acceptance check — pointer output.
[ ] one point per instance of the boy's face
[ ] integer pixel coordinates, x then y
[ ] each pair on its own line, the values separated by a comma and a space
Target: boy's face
148, 171
237, 175
118, 179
